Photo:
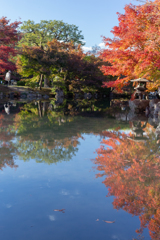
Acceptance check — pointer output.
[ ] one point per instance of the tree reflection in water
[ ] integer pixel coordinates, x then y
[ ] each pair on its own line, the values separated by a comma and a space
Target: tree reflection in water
51, 136
42, 134
130, 162
7, 148
48, 134
132, 170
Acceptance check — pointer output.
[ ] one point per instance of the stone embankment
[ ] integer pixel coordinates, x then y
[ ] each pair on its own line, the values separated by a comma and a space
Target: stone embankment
148, 106
138, 106
22, 93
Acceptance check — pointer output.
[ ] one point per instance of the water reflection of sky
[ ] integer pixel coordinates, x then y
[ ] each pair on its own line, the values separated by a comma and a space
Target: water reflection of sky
31, 192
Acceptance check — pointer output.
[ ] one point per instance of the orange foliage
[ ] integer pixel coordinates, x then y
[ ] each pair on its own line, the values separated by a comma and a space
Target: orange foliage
132, 171
134, 51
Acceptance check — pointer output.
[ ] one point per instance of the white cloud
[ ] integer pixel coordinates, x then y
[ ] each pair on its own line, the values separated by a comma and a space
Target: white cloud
77, 192
102, 45
64, 192
86, 49
52, 218
115, 237
8, 205
22, 176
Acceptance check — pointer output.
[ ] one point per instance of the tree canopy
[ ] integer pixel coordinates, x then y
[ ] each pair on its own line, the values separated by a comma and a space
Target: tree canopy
38, 34
61, 59
9, 37
35, 62
134, 50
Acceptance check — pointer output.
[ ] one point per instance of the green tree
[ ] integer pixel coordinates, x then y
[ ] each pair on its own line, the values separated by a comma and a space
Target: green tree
79, 72
38, 34
36, 63
75, 70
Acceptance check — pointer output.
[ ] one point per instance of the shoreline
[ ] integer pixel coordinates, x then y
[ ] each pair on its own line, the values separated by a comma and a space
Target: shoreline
12, 91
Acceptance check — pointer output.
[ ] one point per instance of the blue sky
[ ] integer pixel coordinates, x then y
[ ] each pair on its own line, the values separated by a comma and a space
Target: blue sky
94, 18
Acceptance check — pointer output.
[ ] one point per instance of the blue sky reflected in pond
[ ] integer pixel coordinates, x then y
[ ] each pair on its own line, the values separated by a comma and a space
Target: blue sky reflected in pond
30, 193
34, 183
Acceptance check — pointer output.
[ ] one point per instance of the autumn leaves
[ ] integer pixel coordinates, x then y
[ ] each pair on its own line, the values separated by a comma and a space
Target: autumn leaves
132, 53
134, 50
9, 37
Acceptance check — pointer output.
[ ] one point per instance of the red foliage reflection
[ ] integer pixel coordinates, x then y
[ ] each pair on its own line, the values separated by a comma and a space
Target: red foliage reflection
132, 171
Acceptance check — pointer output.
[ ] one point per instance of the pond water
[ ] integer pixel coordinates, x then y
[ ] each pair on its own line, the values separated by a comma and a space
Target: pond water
78, 172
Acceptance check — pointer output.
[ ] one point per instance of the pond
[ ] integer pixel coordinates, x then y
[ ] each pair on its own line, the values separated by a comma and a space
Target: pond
78, 172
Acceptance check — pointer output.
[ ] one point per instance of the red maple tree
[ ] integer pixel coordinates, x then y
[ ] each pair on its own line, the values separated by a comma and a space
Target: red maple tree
9, 37
134, 51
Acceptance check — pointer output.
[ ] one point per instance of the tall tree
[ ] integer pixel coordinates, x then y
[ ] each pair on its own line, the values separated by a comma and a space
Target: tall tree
134, 51
9, 37
36, 62
38, 34
73, 67
79, 71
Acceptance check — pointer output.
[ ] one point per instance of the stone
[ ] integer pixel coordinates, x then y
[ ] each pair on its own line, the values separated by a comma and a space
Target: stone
11, 95
76, 95
87, 95
29, 95
59, 101
50, 107
152, 103
1, 95
59, 93
45, 96
138, 105
39, 95
96, 95
156, 108
23, 95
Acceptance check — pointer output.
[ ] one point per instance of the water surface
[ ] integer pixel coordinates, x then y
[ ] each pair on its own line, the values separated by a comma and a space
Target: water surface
64, 171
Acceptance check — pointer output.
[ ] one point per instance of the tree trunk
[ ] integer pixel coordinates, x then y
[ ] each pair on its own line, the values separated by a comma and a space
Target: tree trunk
45, 108
40, 83
46, 82
67, 83
39, 109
